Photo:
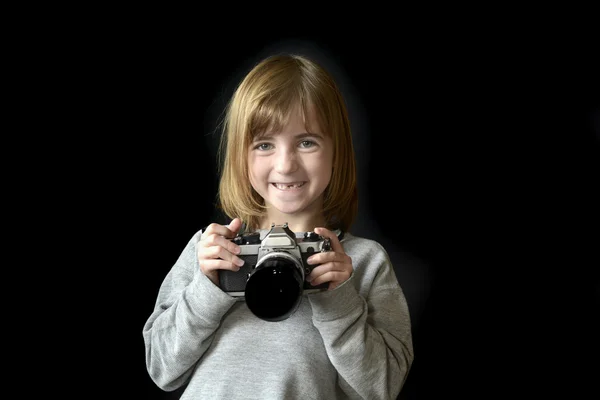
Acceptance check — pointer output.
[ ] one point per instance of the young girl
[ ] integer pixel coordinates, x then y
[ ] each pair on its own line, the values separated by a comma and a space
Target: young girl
287, 158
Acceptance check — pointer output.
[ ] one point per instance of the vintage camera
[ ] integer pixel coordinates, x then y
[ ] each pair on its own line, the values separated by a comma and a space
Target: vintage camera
272, 278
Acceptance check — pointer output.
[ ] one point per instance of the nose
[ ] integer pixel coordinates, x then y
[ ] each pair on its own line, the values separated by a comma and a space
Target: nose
286, 162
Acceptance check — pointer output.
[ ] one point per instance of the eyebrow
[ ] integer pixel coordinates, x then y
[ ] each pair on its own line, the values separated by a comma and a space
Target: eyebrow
265, 136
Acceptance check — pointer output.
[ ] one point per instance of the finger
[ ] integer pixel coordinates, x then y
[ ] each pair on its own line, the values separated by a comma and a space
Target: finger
335, 242
329, 256
330, 276
218, 240
234, 226
220, 252
215, 264
229, 231
325, 268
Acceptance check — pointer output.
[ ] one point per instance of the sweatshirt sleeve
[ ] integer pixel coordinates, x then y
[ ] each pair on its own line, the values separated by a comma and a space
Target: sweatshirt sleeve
367, 337
188, 311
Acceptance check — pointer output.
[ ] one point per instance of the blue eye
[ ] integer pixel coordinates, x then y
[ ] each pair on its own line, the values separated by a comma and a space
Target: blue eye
307, 144
264, 146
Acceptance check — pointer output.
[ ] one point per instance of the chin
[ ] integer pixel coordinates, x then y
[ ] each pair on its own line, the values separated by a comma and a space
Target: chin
289, 209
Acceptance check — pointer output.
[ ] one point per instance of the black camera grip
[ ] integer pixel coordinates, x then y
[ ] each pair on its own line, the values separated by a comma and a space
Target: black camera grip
308, 269
235, 281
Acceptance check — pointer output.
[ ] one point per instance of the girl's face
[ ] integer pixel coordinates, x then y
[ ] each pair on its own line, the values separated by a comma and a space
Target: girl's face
290, 170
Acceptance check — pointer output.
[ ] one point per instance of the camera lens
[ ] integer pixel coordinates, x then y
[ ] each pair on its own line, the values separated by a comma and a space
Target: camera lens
274, 289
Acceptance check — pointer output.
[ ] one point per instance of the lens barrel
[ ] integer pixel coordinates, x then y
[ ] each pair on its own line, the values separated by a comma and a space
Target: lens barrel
274, 289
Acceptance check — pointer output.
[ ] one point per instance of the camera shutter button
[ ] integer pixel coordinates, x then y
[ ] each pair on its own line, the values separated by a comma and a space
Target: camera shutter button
310, 237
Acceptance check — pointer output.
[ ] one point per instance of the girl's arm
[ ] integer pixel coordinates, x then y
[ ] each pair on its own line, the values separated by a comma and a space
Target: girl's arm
188, 310
368, 337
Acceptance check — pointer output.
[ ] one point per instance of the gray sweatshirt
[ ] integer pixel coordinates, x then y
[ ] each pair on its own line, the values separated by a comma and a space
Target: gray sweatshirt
353, 342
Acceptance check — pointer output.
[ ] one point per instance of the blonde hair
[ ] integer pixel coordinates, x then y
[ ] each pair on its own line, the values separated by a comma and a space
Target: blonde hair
263, 101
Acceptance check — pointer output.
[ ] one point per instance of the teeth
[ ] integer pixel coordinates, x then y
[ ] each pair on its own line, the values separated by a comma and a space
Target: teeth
286, 187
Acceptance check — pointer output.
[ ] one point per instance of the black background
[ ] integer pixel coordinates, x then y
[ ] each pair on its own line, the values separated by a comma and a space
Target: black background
477, 158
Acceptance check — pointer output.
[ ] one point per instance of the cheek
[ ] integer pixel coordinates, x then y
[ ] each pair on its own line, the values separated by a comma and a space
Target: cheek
255, 171
323, 168
250, 167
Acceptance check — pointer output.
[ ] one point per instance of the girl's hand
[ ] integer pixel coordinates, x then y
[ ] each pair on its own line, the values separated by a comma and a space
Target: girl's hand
216, 251
335, 266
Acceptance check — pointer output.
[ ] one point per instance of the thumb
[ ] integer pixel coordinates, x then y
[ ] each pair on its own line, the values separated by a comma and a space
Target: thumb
235, 225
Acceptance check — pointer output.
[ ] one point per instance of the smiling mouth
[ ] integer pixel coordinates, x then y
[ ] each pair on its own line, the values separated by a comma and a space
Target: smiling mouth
288, 186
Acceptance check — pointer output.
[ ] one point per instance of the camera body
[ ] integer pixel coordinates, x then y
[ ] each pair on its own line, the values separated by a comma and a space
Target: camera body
281, 245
